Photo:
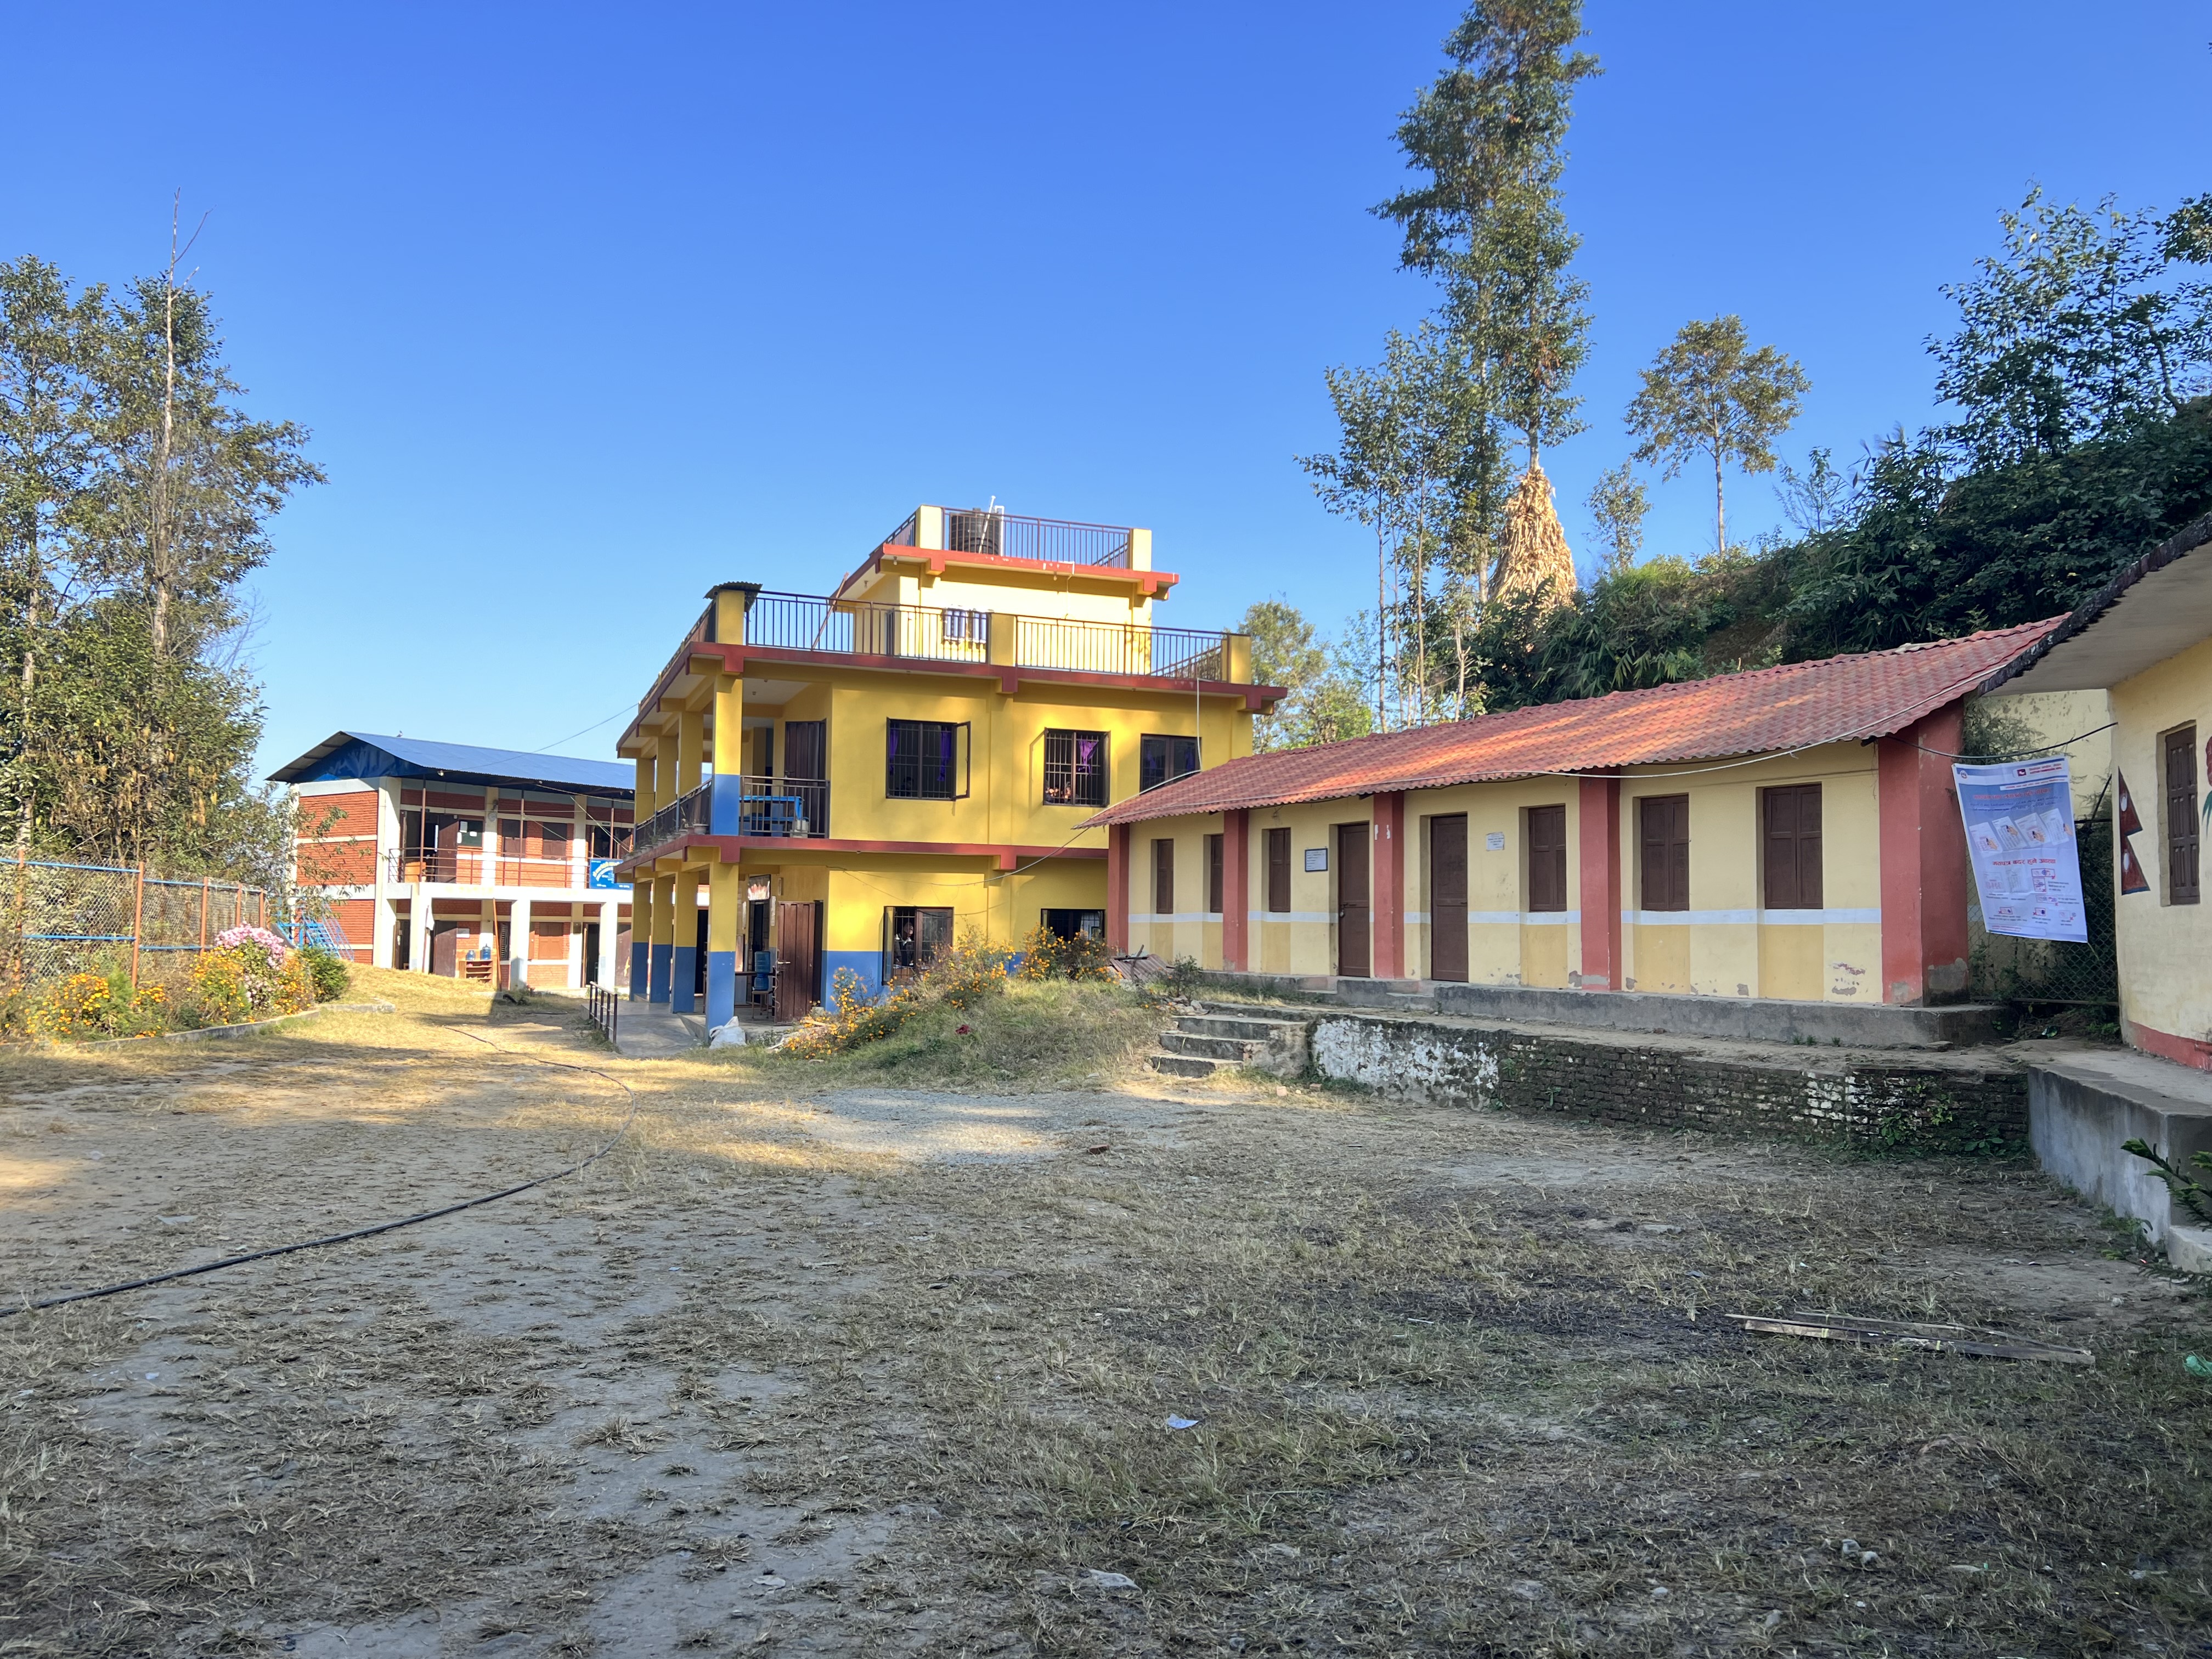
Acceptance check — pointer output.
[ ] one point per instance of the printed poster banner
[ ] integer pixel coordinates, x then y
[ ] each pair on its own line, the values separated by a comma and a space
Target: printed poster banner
2019, 837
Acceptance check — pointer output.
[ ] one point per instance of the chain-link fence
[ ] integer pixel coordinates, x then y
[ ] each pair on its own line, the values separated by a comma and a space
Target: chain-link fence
61, 918
2033, 973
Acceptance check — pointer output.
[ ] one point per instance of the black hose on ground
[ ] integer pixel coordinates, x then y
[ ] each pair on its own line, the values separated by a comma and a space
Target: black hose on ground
380, 1227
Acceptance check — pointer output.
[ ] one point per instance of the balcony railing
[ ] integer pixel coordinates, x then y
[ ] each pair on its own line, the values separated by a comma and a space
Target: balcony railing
799, 808
692, 814
797, 622
1001, 535
471, 867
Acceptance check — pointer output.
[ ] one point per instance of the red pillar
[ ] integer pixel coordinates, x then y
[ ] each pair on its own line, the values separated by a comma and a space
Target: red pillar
1389, 901
1236, 889
1923, 863
1602, 885
1117, 889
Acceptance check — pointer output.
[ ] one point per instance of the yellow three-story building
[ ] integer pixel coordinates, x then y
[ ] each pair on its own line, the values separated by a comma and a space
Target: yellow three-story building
853, 780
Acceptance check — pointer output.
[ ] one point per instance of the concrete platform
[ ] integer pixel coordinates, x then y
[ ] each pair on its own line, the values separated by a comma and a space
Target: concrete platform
2083, 1104
646, 1030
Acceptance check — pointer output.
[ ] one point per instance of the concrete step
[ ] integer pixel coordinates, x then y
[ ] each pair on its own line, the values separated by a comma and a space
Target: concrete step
1184, 1065
1234, 1051
1236, 1025
1411, 1002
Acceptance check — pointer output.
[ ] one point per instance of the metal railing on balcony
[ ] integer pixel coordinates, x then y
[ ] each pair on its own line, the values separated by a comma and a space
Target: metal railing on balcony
472, 867
783, 806
800, 621
691, 814
796, 807
1001, 535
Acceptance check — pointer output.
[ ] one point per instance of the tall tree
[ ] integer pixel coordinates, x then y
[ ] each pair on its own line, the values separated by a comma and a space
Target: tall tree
1709, 393
2075, 329
1324, 703
1489, 135
1618, 503
48, 341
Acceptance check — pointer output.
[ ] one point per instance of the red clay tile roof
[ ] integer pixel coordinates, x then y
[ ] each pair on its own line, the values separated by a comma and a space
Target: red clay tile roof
1767, 710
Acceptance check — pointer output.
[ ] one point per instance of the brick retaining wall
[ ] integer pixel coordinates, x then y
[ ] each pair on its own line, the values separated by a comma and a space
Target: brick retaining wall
1953, 1104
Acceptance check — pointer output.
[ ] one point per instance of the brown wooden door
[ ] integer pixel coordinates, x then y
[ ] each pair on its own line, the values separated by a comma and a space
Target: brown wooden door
2181, 886
1548, 859
797, 961
1279, 872
1354, 957
444, 949
1792, 851
1447, 898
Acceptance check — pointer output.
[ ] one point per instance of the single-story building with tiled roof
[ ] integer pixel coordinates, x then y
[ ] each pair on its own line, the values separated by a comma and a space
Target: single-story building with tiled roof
1789, 832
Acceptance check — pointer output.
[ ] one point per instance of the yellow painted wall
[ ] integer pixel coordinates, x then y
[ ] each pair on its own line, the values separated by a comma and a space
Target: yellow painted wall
2056, 716
1004, 766
1024, 592
1727, 945
2165, 949
1730, 945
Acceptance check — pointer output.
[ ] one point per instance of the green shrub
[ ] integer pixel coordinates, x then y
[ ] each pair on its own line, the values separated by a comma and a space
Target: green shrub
331, 976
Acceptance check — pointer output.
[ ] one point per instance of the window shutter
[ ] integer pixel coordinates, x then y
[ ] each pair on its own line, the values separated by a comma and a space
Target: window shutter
2182, 848
1164, 877
1665, 825
1213, 875
1279, 872
1548, 859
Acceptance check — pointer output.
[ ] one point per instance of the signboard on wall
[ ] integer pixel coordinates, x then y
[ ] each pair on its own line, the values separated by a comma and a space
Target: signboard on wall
600, 873
1317, 860
2020, 840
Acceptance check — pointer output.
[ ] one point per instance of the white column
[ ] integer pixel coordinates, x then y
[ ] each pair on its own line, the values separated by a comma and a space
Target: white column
386, 927
574, 979
418, 928
518, 941
610, 925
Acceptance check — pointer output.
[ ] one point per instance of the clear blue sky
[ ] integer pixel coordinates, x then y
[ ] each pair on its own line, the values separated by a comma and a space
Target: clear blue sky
588, 308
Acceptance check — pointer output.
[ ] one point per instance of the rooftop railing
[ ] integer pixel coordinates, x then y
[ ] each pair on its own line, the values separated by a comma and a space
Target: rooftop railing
799, 622
998, 534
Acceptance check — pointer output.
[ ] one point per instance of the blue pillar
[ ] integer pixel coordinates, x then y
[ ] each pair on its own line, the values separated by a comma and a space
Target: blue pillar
661, 964
684, 971
721, 988
640, 968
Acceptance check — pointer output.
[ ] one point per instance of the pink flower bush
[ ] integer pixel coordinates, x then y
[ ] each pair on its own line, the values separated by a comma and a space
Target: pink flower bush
260, 938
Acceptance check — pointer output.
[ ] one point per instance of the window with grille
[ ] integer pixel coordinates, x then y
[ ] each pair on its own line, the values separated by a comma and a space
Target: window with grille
1164, 877
1075, 768
1548, 859
1664, 824
1279, 872
1163, 759
924, 761
2183, 850
1213, 875
969, 627
1789, 847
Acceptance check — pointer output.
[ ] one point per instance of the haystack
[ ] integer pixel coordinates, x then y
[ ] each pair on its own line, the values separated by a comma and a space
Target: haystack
1535, 560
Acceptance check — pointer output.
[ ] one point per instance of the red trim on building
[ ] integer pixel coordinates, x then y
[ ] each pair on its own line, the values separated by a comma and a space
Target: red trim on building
1924, 862
1389, 895
1599, 848
1117, 890
2193, 1052
732, 847
1236, 889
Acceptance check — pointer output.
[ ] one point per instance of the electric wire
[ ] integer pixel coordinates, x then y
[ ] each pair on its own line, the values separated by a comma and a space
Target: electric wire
380, 1227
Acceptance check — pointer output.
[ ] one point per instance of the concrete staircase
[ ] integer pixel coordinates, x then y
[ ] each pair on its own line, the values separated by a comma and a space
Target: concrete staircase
1201, 1044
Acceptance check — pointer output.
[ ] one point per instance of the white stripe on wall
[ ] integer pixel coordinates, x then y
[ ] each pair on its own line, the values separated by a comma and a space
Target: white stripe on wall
1747, 918
1290, 915
1180, 915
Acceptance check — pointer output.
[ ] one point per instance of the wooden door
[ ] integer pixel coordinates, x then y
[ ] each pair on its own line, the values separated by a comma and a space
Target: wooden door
1447, 898
1354, 957
797, 961
591, 953
444, 949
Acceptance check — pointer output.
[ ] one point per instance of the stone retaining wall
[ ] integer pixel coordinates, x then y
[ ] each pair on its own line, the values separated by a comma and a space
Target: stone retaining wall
1887, 1100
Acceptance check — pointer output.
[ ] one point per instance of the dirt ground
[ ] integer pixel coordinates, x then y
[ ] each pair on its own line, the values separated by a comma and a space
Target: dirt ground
885, 1370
